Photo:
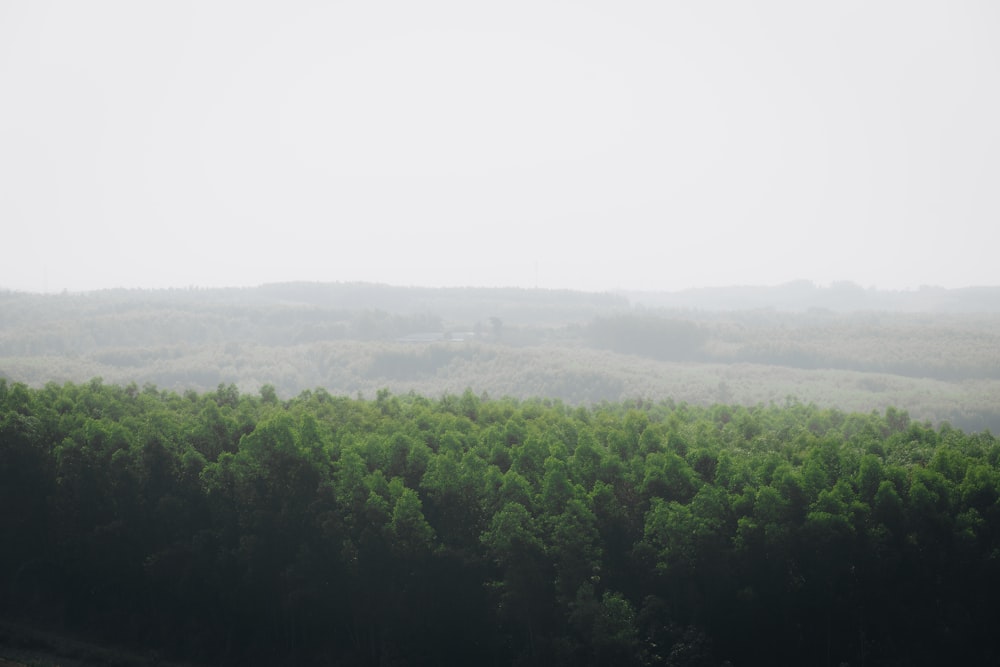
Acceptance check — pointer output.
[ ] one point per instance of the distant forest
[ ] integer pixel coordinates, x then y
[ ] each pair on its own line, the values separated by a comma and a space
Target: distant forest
933, 352
241, 529
319, 474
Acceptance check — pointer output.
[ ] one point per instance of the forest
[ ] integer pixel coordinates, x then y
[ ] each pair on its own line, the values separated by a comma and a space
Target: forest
358, 474
242, 528
934, 353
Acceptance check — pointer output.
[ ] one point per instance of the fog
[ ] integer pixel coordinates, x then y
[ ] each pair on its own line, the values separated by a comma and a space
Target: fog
585, 145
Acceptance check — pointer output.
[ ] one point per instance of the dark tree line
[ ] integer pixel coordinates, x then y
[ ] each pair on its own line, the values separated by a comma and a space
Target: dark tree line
650, 336
243, 529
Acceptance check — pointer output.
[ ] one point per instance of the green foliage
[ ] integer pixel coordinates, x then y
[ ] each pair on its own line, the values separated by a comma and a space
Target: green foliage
235, 528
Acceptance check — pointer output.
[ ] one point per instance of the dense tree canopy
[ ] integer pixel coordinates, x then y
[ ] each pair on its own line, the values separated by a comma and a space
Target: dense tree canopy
232, 528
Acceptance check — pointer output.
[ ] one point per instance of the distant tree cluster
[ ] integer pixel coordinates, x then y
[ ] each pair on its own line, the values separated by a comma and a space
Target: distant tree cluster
236, 529
650, 336
945, 347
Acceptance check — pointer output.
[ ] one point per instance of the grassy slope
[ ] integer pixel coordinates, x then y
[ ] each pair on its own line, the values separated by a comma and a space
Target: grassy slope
23, 646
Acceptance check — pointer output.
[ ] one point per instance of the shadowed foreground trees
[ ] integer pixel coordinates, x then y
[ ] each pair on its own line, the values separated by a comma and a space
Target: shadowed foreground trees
240, 529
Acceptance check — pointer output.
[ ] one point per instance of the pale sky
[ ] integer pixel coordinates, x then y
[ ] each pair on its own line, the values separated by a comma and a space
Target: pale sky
590, 145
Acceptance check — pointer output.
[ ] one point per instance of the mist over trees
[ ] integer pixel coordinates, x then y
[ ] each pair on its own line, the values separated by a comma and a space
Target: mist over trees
650, 336
941, 363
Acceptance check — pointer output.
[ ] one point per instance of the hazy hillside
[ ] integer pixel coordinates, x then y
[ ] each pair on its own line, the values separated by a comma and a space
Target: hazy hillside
842, 297
940, 361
